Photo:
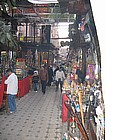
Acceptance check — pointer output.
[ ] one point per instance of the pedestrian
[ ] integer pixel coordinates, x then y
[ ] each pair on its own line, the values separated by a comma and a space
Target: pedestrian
60, 76
43, 74
50, 75
35, 80
54, 74
12, 89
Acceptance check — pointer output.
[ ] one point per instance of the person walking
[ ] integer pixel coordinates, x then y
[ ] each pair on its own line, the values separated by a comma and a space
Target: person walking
60, 76
43, 74
12, 89
50, 75
35, 80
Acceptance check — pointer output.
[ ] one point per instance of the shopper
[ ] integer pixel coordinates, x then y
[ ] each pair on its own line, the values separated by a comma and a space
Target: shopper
54, 73
12, 89
50, 75
59, 79
43, 74
35, 80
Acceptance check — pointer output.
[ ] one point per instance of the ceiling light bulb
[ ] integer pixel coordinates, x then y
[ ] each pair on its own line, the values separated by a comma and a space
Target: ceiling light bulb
43, 1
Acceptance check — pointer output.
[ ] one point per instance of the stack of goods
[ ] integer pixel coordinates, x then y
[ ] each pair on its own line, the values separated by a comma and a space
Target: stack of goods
84, 104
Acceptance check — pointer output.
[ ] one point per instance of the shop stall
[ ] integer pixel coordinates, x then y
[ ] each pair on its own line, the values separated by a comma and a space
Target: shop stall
2, 89
23, 78
23, 86
23, 82
23, 89
82, 99
82, 105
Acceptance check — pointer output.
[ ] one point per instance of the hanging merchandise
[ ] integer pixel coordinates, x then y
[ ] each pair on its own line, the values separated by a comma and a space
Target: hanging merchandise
86, 119
83, 106
90, 71
85, 34
100, 117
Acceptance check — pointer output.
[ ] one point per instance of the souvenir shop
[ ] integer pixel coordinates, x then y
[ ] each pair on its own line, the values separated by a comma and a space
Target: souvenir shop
83, 111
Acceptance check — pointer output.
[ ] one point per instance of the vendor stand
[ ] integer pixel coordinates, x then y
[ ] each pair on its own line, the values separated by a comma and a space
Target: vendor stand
82, 101
23, 78
23, 86
23, 82
23, 89
2, 92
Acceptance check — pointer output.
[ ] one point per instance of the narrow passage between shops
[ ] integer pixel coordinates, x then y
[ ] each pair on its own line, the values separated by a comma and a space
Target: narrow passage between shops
37, 117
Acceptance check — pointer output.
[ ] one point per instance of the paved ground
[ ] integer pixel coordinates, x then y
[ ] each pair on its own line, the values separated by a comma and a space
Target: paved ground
37, 118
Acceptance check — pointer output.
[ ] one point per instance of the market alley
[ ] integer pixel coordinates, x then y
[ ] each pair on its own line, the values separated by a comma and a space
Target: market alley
37, 118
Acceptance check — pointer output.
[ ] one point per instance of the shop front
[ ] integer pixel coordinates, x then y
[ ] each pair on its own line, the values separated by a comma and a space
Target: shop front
82, 102
83, 111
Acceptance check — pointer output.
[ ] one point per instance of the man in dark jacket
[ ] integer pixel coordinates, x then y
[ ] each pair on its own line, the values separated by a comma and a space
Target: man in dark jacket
50, 75
43, 74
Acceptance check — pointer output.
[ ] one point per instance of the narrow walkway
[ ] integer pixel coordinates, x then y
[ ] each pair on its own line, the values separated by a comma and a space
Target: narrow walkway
37, 118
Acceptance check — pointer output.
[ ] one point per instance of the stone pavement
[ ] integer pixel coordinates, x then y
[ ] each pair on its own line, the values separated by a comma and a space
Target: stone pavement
37, 118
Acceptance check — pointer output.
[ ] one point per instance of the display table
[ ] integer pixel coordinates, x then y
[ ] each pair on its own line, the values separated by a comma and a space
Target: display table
64, 109
23, 86
2, 89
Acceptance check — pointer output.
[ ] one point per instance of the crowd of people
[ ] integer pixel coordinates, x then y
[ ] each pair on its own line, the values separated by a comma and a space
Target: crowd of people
48, 76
